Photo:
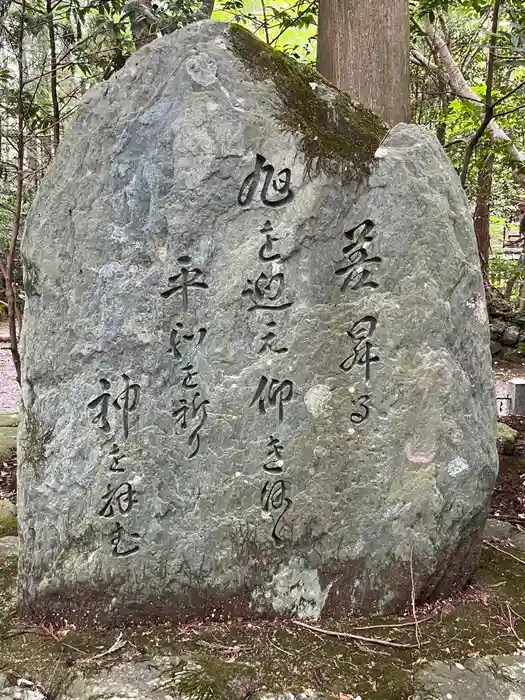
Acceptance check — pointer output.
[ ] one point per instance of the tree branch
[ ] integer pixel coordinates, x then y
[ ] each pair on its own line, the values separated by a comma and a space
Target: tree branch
463, 90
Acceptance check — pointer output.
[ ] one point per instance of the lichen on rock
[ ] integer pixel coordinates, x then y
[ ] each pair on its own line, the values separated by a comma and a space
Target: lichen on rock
506, 438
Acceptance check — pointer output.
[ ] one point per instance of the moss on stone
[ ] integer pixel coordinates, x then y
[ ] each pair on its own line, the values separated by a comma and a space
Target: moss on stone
9, 420
209, 678
8, 526
506, 438
36, 437
31, 277
337, 134
234, 660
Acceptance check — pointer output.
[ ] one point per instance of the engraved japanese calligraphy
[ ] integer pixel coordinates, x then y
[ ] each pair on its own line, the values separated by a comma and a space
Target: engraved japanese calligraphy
272, 392
190, 408
255, 351
359, 265
360, 334
125, 402
120, 497
188, 278
180, 341
191, 416
123, 541
268, 292
358, 274
276, 190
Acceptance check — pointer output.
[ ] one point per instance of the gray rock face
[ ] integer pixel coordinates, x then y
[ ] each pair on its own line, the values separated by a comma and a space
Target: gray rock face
477, 679
8, 547
498, 529
510, 335
495, 348
148, 680
497, 328
249, 385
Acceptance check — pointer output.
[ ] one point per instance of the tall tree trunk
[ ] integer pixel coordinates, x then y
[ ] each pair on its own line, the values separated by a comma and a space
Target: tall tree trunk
482, 212
33, 166
441, 129
509, 287
7, 264
489, 102
53, 74
363, 48
521, 303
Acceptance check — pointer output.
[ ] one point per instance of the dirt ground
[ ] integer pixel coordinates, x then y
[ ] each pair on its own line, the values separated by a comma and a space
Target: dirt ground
9, 388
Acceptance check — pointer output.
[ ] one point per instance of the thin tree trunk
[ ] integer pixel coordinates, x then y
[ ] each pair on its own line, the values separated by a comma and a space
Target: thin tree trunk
441, 129
53, 74
363, 48
509, 287
207, 7
489, 103
482, 212
33, 167
521, 305
7, 265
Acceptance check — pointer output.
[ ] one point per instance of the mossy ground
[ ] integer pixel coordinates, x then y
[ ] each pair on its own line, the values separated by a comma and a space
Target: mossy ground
238, 659
8, 526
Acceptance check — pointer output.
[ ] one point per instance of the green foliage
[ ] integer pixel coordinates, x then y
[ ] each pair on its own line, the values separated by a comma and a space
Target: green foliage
502, 269
289, 25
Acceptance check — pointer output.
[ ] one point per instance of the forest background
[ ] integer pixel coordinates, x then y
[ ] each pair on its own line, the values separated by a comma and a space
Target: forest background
467, 86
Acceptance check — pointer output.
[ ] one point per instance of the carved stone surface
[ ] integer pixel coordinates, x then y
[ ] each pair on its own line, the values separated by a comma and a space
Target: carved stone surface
250, 384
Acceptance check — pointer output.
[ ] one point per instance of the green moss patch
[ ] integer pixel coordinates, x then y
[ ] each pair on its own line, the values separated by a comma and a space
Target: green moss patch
9, 420
7, 442
336, 134
8, 527
37, 437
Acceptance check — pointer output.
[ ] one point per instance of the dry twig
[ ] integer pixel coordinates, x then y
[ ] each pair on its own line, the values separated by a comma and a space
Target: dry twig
279, 648
356, 637
117, 644
499, 549
44, 632
413, 596
396, 625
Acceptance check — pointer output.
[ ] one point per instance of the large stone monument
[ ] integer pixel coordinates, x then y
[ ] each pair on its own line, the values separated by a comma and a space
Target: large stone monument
256, 370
